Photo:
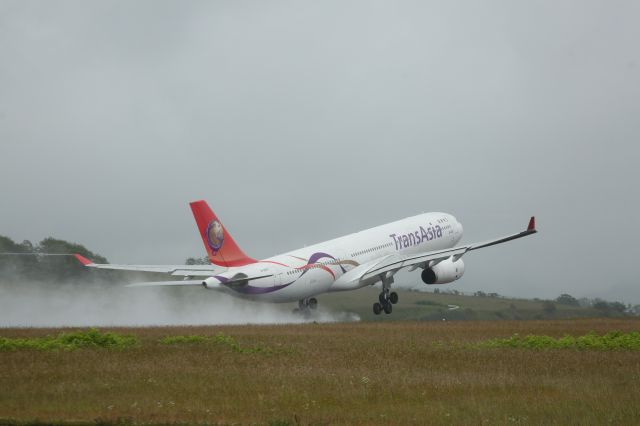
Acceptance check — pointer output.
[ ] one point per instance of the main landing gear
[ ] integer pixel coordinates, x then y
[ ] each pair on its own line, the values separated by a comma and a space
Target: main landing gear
305, 306
387, 298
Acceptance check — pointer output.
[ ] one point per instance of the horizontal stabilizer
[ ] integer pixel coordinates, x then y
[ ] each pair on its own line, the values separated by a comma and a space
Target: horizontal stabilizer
166, 283
180, 270
83, 259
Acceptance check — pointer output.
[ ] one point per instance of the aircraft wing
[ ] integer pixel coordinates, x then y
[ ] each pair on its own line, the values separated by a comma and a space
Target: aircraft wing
431, 258
177, 270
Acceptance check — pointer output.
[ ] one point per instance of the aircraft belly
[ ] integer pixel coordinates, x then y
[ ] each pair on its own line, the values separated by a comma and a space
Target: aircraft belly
310, 284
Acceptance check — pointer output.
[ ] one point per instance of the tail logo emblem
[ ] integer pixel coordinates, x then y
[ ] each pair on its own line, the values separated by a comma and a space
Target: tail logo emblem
215, 236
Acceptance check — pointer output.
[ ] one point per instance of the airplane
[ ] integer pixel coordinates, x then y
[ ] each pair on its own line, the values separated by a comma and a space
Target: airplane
426, 242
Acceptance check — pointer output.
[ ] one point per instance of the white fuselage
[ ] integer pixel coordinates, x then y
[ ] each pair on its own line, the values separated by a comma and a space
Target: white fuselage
317, 269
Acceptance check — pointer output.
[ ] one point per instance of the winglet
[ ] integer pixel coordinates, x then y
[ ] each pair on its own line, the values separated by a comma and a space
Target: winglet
83, 260
532, 224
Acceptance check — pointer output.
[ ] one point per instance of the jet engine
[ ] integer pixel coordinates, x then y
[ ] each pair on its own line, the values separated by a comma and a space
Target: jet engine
444, 272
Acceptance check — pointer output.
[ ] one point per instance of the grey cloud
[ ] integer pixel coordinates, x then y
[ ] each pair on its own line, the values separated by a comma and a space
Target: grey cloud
302, 121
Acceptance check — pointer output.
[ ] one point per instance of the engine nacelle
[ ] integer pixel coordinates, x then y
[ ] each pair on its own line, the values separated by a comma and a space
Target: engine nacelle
444, 272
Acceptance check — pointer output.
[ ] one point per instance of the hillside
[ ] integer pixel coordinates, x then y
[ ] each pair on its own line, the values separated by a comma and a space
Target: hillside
413, 305
417, 305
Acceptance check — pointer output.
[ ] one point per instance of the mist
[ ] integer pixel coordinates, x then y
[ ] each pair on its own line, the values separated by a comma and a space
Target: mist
34, 304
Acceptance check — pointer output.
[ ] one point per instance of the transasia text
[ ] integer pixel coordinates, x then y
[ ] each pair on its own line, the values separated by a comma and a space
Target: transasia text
417, 237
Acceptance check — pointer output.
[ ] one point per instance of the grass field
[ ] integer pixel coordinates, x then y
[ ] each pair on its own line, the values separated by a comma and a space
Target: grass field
357, 373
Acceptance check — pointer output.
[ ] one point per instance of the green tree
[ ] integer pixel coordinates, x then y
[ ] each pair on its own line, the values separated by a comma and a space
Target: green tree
36, 264
549, 307
617, 306
567, 299
65, 268
198, 261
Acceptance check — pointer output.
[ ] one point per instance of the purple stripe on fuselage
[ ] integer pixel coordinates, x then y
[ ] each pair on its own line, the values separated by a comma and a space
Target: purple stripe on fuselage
317, 256
248, 289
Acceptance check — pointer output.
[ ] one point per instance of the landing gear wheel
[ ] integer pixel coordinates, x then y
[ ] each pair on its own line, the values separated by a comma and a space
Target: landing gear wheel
382, 298
313, 303
393, 297
388, 308
377, 308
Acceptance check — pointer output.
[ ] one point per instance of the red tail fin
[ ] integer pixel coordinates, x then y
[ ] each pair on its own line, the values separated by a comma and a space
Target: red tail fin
222, 249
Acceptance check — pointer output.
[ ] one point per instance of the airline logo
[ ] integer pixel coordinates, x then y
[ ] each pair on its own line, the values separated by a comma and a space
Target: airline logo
215, 236
417, 237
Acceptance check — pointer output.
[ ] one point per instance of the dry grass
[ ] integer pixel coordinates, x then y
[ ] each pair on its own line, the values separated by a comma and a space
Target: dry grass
358, 373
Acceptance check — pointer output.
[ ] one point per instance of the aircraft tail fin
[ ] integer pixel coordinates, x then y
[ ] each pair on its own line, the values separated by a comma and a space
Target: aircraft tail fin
221, 248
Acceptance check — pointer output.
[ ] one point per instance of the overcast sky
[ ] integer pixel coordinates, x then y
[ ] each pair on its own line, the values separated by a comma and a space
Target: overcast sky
302, 121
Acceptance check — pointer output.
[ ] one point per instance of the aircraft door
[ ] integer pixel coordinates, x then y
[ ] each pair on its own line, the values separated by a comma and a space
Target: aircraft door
277, 278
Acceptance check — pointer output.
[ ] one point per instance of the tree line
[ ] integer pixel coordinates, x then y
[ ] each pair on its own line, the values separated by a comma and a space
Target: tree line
28, 261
